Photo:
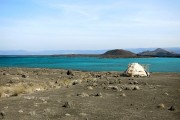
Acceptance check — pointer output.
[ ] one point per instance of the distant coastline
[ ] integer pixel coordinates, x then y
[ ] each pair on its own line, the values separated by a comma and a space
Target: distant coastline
116, 53
86, 55
175, 50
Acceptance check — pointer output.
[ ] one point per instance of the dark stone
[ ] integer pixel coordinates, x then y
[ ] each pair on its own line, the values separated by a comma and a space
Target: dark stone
24, 76
15, 94
131, 83
66, 105
10, 81
136, 88
108, 73
116, 76
145, 83
135, 82
75, 83
98, 76
2, 115
104, 84
172, 108
56, 82
114, 87
127, 88
69, 72
98, 94
112, 81
119, 82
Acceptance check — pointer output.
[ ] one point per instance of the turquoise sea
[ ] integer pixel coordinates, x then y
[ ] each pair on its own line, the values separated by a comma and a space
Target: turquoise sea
90, 63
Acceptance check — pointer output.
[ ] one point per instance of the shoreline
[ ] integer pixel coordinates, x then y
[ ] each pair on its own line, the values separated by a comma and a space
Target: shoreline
72, 69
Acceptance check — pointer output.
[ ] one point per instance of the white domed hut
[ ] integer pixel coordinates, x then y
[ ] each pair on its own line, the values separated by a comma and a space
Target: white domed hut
136, 70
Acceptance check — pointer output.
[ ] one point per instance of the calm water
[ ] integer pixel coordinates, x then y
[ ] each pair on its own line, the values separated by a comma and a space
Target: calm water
91, 63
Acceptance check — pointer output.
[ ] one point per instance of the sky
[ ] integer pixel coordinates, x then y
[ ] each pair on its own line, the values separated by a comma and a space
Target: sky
36, 25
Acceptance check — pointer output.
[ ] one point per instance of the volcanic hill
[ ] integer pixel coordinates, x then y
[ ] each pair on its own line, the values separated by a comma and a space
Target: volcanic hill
119, 53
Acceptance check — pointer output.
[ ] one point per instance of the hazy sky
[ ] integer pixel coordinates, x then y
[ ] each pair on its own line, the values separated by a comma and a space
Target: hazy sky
88, 24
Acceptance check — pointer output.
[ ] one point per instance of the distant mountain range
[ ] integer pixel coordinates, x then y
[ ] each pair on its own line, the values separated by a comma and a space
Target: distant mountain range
117, 52
159, 52
120, 53
175, 50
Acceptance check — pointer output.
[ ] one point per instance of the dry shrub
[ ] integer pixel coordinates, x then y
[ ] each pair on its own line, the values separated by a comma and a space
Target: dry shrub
30, 87
36, 87
4, 91
51, 84
67, 82
17, 90
21, 88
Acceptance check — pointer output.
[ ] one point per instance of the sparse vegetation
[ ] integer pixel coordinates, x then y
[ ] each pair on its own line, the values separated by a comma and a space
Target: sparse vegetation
21, 88
16, 89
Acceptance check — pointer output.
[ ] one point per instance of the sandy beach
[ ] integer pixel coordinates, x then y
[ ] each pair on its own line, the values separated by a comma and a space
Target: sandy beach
57, 94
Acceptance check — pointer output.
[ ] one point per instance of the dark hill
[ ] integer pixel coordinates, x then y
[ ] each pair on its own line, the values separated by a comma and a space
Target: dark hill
119, 53
159, 52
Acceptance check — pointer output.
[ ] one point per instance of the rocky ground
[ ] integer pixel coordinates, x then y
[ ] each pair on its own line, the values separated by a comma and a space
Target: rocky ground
54, 94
